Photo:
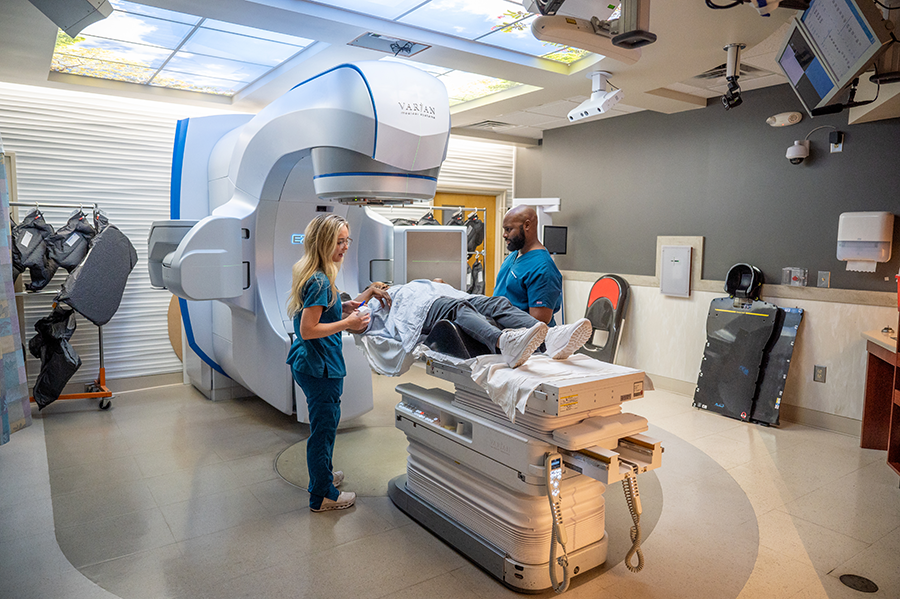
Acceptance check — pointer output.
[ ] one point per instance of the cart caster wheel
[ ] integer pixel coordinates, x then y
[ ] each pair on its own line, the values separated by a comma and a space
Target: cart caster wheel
105, 403
91, 388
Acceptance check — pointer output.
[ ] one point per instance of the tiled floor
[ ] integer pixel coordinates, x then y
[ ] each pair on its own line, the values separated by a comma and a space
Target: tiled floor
169, 495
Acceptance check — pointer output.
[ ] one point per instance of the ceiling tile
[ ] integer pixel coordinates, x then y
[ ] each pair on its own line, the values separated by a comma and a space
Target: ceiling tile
530, 132
557, 109
526, 118
693, 90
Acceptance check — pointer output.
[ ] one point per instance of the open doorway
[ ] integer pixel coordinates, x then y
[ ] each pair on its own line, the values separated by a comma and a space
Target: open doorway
488, 247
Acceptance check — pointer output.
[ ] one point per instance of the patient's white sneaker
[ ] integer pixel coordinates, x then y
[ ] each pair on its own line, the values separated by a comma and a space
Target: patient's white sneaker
338, 478
344, 500
564, 340
517, 345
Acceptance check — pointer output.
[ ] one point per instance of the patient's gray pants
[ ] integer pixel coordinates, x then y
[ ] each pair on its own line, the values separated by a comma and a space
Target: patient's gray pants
469, 315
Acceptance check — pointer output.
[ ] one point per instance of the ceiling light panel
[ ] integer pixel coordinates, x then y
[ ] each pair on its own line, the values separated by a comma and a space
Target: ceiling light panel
232, 70
196, 83
140, 29
465, 87
239, 47
150, 11
461, 86
468, 19
103, 69
162, 48
515, 34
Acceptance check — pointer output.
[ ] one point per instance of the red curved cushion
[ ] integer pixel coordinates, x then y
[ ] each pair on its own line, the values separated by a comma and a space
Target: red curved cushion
607, 288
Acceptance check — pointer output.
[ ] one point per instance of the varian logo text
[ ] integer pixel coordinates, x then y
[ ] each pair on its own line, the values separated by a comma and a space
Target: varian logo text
417, 109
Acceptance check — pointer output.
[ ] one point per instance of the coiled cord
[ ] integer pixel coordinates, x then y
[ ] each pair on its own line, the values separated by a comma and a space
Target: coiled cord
629, 485
563, 560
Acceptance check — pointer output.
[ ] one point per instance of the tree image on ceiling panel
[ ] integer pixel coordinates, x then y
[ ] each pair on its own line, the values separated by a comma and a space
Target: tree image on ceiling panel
518, 23
79, 56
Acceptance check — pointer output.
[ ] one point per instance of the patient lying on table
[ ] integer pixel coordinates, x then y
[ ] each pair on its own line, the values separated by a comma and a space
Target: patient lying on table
417, 306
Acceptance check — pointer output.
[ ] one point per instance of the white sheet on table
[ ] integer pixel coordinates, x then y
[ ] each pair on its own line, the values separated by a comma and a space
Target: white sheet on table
391, 339
510, 388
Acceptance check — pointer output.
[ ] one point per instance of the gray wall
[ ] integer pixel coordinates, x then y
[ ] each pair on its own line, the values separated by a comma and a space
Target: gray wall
528, 173
723, 175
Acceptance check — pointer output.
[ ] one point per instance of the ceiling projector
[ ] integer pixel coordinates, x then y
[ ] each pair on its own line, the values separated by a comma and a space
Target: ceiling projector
615, 32
600, 100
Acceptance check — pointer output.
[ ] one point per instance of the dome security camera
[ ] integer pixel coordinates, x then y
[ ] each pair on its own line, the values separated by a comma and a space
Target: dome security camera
797, 152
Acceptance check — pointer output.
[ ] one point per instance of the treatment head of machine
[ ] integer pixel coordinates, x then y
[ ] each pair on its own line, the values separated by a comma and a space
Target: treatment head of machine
376, 130
353, 178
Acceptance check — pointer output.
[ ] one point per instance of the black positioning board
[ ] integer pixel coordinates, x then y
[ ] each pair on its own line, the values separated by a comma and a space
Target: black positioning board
777, 362
737, 336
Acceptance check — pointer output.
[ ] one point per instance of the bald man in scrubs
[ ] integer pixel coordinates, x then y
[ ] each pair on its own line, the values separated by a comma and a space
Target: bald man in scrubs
528, 277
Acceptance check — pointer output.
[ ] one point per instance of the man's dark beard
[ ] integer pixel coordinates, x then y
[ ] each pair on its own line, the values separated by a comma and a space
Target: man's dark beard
516, 242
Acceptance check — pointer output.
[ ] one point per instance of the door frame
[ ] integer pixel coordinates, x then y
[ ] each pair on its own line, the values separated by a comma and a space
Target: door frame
500, 208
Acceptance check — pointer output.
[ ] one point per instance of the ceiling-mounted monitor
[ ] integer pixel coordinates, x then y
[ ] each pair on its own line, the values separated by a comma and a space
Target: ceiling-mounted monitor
831, 44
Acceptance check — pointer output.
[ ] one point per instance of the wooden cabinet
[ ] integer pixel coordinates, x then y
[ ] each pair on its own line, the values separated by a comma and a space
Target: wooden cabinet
880, 366
893, 444
881, 410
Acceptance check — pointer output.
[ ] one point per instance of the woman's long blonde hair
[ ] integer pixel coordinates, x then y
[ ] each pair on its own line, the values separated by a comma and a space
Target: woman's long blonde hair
319, 243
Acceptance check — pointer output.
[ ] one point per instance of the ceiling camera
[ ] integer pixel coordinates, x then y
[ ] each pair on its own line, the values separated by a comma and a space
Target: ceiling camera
732, 96
797, 152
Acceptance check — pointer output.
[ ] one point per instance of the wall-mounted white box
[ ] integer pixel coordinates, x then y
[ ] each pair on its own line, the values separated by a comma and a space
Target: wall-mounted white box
864, 238
675, 270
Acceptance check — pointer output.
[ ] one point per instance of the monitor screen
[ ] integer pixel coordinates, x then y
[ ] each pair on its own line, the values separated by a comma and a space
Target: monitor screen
842, 36
805, 71
555, 239
830, 45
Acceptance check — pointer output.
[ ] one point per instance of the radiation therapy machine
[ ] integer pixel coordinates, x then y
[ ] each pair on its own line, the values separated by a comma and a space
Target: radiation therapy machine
243, 189
522, 497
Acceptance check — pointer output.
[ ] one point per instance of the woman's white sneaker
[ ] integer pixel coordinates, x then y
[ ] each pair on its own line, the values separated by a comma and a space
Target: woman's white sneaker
345, 499
564, 340
517, 345
338, 478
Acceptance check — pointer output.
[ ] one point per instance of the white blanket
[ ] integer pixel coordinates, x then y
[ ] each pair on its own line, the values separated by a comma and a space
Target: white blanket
394, 333
510, 388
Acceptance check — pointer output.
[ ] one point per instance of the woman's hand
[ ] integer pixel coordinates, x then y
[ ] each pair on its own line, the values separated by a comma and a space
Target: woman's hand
356, 322
348, 307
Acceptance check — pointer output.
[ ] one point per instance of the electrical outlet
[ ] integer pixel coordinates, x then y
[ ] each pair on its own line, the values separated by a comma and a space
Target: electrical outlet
835, 148
819, 373
824, 278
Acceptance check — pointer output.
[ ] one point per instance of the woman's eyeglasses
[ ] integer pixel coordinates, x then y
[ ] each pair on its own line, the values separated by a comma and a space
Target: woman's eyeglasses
345, 242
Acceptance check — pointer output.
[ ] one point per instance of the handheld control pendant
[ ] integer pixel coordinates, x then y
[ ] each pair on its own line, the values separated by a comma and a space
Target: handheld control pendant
554, 480
553, 467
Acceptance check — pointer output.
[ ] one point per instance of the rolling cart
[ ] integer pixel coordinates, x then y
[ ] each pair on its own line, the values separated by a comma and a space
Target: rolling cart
96, 389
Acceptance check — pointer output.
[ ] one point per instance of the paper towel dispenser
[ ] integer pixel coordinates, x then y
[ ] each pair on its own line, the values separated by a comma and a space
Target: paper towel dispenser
864, 238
